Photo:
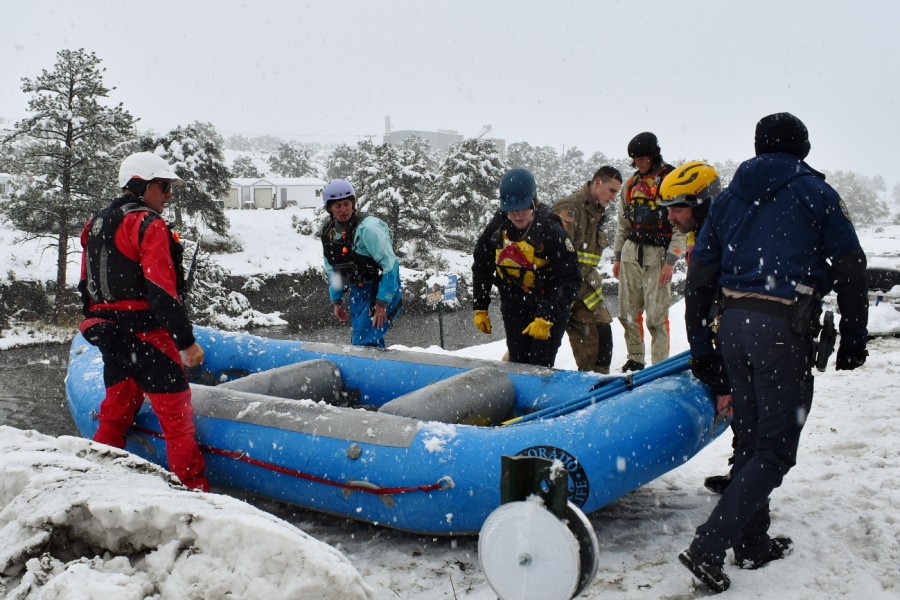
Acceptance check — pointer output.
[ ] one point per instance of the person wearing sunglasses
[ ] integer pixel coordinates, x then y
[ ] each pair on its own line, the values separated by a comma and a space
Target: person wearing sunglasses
132, 290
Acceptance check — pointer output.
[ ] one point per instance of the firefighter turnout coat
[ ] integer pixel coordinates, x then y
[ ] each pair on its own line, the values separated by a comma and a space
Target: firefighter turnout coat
582, 218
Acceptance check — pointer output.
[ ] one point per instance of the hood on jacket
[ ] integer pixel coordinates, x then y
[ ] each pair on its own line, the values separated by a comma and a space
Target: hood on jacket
760, 178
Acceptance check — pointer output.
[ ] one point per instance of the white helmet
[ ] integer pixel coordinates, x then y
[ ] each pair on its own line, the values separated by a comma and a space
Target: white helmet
147, 166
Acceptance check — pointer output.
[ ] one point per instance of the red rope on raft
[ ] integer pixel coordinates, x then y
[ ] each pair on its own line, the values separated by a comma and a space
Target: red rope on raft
241, 456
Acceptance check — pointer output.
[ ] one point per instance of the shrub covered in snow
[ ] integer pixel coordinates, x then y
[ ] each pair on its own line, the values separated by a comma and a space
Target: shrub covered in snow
209, 303
302, 225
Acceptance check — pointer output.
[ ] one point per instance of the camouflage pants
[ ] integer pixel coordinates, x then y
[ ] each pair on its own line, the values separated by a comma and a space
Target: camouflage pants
639, 294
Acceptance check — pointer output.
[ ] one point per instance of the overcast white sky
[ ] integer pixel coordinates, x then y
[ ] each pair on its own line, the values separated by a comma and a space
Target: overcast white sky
591, 74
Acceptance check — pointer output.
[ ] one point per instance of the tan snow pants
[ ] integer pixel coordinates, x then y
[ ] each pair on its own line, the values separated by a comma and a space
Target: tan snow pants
639, 294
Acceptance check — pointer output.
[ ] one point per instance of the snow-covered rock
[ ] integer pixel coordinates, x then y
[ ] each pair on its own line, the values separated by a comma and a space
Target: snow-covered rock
82, 520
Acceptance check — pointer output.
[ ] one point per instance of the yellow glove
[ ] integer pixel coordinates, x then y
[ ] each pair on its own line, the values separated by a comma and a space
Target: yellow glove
539, 329
483, 321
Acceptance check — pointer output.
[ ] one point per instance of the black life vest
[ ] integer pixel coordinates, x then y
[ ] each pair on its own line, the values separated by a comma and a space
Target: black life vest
649, 221
111, 275
353, 267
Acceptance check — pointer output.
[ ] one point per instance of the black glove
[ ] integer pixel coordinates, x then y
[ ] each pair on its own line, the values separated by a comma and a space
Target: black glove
710, 369
849, 359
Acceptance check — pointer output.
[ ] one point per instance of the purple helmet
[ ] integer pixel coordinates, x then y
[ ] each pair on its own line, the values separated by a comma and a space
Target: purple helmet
336, 189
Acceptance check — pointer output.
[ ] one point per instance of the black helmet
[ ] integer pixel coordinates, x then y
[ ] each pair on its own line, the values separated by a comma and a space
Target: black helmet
643, 144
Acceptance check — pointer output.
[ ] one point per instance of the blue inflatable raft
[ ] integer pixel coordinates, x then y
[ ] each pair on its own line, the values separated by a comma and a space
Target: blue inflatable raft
411, 440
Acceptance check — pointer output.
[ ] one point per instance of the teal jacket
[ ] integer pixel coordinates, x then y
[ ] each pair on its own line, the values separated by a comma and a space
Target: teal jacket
373, 239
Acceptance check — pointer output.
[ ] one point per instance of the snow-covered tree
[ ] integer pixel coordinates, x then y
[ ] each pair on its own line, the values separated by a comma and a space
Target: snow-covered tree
863, 205
265, 143
238, 142
570, 174
342, 163
875, 184
422, 149
726, 171
292, 160
243, 167
65, 156
198, 159
210, 303
545, 164
395, 186
466, 190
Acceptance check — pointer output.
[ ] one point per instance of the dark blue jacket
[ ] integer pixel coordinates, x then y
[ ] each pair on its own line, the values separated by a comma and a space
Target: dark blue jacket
778, 224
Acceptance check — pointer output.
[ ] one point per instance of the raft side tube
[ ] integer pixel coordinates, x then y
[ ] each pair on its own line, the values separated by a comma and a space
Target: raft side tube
482, 396
303, 416
315, 380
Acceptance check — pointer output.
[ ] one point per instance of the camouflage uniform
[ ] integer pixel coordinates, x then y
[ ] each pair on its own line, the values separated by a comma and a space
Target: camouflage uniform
589, 332
642, 252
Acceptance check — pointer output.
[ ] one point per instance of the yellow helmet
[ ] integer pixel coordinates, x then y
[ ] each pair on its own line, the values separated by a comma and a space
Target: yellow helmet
690, 185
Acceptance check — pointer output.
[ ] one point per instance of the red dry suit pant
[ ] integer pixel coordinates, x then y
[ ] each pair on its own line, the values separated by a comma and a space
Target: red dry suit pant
138, 364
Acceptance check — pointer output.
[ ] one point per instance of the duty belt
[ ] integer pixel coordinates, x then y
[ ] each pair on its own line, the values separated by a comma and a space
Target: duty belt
769, 307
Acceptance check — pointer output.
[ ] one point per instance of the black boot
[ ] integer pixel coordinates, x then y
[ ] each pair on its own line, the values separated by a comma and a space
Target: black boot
632, 365
779, 547
706, 570
717, 483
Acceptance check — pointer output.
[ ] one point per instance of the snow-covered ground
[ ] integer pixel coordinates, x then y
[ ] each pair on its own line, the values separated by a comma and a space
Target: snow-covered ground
839, 504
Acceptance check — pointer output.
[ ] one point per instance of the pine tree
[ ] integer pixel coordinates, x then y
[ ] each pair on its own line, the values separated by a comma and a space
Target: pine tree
292, 160
863, 205
239, 143
395, 186
196, 154
544, 163
342, 163
65, 156
243, 167
466, 190
422, 149
570, 174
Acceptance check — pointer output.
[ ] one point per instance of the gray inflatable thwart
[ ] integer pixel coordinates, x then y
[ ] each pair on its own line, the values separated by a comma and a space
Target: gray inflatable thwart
481, 396
315, 380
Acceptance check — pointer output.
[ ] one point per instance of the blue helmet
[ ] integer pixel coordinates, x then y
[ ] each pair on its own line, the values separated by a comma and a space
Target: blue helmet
517, 190
337, 189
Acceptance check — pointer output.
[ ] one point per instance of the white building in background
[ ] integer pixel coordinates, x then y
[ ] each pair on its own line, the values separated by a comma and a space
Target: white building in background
5, 184
275, 192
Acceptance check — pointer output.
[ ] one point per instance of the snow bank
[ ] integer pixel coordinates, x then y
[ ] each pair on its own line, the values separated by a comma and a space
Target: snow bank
33, 333
82, 520
271, 244
564, 358
883, 319
29, 260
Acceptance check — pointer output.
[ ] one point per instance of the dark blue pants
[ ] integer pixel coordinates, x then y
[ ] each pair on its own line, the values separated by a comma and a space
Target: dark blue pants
522, 347
771, 392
